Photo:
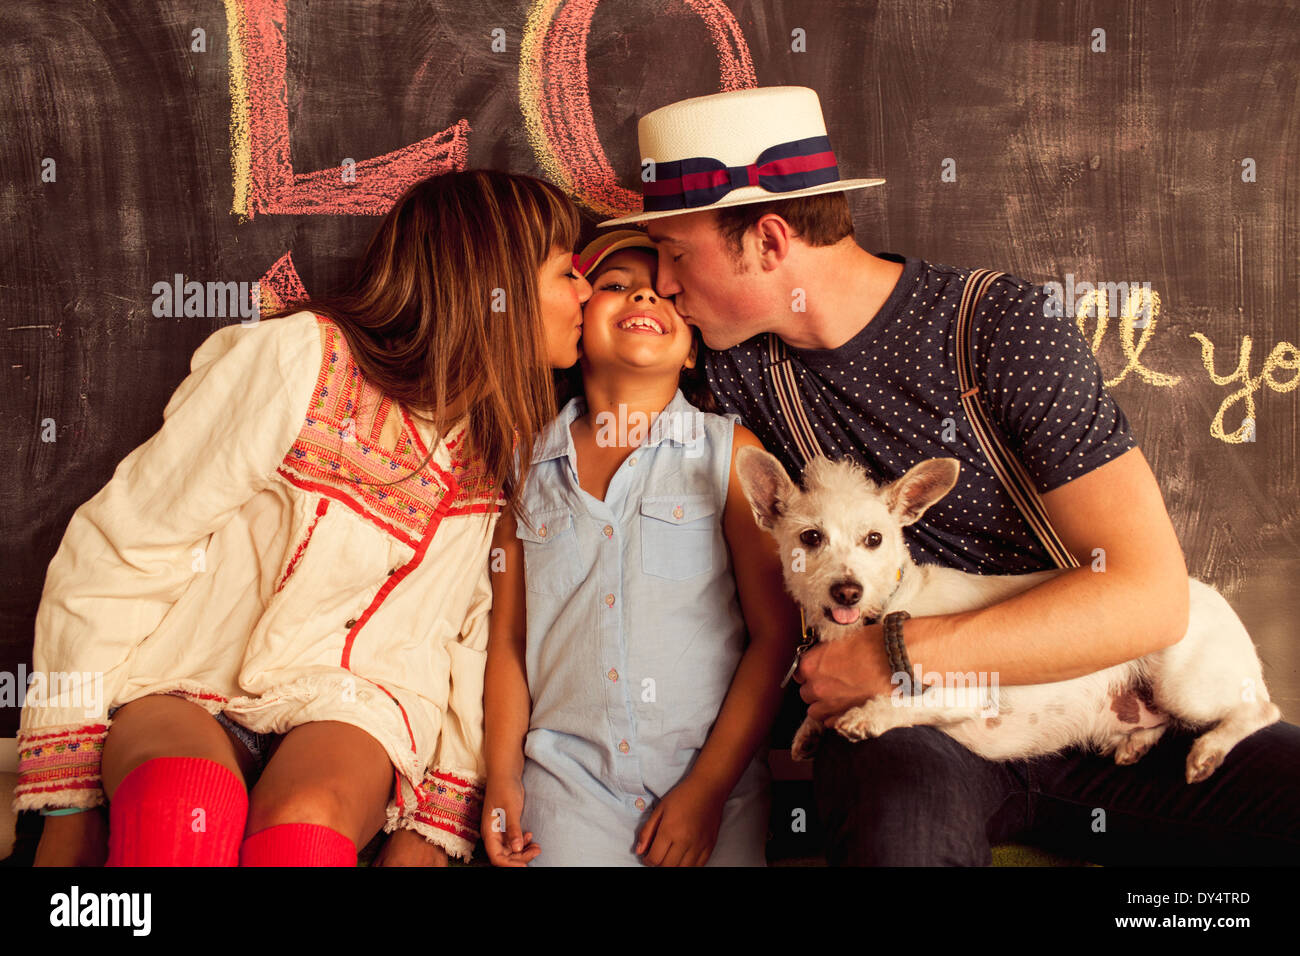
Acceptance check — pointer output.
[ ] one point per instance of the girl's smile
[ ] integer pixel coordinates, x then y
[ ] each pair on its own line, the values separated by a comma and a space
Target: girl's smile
643, 323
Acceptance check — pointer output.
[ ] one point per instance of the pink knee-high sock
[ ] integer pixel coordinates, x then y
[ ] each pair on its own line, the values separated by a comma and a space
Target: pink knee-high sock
177, 811
298, 844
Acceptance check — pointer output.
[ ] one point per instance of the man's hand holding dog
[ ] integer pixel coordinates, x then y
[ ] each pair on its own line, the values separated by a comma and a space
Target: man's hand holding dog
836, 675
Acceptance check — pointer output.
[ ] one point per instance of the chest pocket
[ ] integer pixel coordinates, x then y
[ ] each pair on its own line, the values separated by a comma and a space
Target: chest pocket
551, 564
677, 535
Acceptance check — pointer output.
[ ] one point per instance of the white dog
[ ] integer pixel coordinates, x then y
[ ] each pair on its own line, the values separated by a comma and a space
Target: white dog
844, 558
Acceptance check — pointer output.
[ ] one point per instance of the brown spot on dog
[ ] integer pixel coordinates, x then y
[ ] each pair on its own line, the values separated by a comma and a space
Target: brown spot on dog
992, 721
1143, 690
1033, 718
1125, 706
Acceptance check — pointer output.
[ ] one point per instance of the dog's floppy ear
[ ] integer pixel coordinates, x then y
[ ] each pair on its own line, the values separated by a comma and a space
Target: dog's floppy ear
765, 483
910, 496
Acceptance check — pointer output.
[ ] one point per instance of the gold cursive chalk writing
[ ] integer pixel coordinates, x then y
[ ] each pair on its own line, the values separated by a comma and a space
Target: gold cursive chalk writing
1141, 311
1277, 358
1142, 304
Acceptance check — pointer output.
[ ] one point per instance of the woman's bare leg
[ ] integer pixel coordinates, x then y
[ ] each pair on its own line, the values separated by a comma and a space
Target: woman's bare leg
159, 725
328, 773
162, 725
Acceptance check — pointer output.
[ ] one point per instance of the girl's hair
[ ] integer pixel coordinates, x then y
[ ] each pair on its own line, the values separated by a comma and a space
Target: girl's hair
444, 303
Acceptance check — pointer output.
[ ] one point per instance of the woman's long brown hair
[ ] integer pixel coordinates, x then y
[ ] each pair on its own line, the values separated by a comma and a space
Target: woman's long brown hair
444, 304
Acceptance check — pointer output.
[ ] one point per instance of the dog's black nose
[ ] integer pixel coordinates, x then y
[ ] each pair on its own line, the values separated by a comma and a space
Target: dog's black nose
846, 592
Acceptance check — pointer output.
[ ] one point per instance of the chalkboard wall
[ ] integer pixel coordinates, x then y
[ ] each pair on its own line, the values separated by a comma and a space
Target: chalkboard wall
1151, 144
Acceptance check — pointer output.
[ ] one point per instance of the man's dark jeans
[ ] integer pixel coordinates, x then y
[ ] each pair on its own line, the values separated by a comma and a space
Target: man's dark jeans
916, 797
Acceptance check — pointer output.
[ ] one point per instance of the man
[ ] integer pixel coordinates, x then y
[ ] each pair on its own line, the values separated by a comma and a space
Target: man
744, 200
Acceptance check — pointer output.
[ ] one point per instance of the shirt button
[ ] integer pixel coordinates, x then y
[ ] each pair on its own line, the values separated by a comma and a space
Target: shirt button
623, 747
677, 512
609, 530
351, 624
613, 674
609, 600
632, 460
639, 803
392, 570
541, 531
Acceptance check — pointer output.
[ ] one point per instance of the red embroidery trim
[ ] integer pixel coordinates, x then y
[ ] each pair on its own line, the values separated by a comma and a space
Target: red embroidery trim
70, 785
476, 509
452, 777
352, 503
414, 433
463, 832
320, 510
333, 450
380, 415
393, 580
410, 733
80, 732
199, 694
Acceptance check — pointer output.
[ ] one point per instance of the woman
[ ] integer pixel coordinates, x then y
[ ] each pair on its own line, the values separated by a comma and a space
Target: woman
301, 553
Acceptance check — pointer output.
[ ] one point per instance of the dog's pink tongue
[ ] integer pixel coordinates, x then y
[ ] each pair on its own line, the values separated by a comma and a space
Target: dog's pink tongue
845, 615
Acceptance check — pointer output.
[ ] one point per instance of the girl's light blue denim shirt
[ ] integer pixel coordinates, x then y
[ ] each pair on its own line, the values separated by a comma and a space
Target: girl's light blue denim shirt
634, 626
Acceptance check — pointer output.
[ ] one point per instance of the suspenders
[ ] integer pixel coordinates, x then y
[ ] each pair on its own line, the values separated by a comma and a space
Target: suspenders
787, 398
1009, 469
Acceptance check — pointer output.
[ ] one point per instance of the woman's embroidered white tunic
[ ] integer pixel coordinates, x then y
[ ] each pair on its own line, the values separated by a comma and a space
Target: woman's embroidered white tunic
253, 557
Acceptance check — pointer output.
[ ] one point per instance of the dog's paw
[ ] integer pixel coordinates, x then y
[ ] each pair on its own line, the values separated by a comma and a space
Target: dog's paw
1133, 747
859, 723
1127, 752
1204, 759
873, 718
805, 741
804, 750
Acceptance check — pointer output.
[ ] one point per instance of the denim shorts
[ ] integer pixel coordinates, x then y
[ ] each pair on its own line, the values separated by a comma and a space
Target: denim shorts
259, 745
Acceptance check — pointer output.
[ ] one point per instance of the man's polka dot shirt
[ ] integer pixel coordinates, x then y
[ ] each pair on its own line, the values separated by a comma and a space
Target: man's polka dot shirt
889, 398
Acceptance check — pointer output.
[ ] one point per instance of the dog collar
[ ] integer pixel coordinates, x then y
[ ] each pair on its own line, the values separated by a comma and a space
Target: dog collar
899, 578
810, 638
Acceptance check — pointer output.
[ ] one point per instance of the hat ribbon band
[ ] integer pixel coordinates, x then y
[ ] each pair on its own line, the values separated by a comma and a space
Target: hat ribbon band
702, 180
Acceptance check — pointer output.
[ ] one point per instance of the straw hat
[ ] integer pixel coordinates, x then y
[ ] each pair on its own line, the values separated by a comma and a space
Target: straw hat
730, 149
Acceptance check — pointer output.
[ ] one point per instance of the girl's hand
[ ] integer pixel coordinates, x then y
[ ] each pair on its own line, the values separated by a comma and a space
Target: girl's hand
408, 848
683, 827
78, 839
503, 803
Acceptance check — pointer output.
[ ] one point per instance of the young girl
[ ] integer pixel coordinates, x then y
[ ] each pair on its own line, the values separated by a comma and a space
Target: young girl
618, 611
300, 552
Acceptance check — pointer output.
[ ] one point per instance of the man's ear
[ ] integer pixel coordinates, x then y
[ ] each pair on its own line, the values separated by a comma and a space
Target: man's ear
911, 495
765, 483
